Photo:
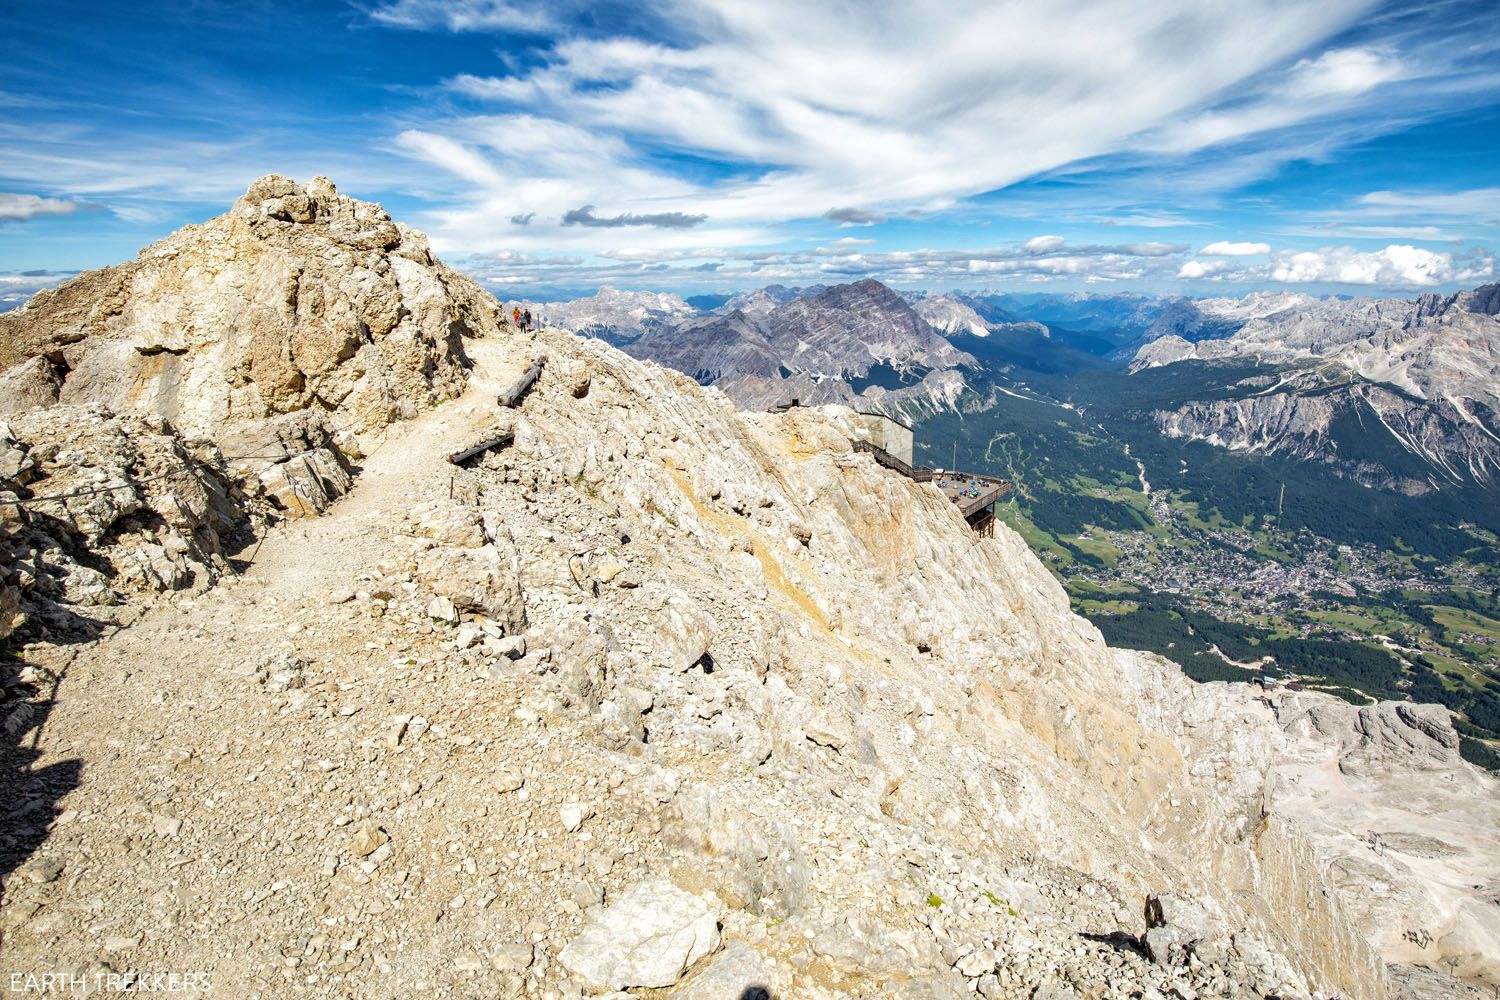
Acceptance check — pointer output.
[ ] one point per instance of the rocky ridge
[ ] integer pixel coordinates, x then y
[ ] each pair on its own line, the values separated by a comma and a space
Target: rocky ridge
1433, 347
950, 317
1403, 443
660, 696
760, 301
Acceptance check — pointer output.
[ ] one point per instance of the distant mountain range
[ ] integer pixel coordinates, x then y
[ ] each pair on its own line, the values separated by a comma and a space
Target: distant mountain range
1420, 376
1403, 395
616, 316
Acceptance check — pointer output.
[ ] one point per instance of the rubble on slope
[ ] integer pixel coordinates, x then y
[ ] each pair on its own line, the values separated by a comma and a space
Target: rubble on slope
99, 507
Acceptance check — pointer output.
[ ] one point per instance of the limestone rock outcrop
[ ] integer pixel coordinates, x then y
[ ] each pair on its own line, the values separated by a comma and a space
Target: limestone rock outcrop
251, 361
99, 506
11, 578
299, 304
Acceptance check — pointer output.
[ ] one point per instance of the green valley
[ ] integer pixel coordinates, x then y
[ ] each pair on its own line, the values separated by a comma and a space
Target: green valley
1239, 566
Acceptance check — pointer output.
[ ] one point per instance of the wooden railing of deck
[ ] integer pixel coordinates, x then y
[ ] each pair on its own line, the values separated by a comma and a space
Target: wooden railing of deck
998, 488
968, 506
885, 458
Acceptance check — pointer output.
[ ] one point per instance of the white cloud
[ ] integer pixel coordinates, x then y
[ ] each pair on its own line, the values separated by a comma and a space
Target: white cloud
15, 207
1199, 268
1148, 221
15, 289
1398, 232
1472, 204
1223, 249
460, 15
1043, 244
1397, 266
1311, 88
838, 261
1343, 72
986, 98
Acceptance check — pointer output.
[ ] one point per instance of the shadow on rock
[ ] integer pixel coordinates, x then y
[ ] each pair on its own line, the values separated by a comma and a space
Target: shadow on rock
1119, 941
30, 794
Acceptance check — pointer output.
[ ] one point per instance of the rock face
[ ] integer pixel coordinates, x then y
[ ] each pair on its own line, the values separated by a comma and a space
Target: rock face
762, 300
235, 370
951, 317
298, 301
138, 513
1433, 347
1177, 929
11, 579
1403, 824
1362, 430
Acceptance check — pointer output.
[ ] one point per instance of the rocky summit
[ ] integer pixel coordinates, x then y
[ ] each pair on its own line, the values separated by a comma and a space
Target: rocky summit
299, 313
644, 697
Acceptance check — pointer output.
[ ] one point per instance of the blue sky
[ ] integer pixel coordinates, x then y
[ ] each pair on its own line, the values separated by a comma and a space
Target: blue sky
698, 145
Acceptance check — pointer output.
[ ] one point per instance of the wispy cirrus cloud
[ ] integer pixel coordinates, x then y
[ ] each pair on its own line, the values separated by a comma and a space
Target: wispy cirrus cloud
1311, 88
996, 95
596, 129
1475, 203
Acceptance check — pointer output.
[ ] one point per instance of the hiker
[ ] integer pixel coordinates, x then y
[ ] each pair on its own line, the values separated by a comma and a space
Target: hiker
515, 316
526, 320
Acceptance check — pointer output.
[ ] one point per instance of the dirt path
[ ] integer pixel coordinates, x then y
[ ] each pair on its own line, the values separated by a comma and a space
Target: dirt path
322, 552
191, 816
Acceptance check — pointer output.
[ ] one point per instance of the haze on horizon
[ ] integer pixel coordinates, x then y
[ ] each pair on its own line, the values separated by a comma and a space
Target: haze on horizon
702, 145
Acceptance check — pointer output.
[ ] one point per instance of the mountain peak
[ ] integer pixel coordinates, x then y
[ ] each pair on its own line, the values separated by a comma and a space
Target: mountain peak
298, 306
